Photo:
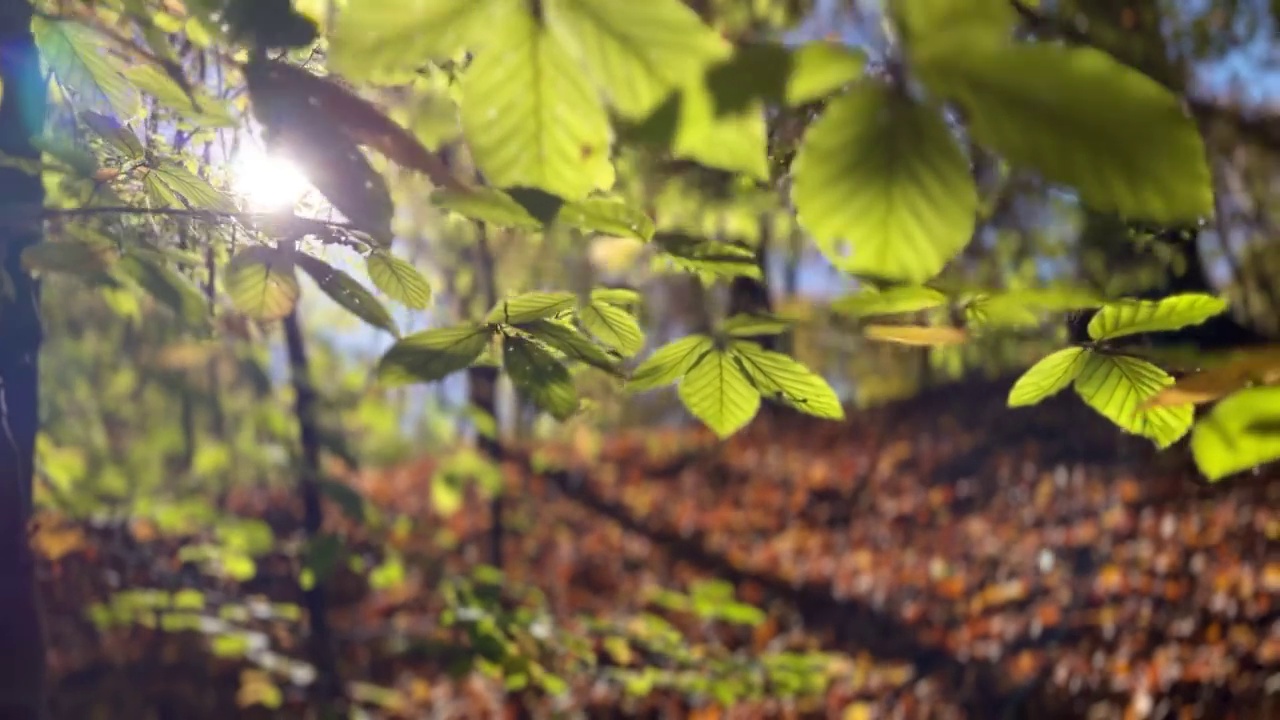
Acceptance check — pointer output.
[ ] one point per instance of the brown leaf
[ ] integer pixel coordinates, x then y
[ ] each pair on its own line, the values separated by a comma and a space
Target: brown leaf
359, 119
1247, 368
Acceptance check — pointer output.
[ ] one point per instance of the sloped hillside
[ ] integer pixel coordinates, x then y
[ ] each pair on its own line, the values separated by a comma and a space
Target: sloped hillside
958, 559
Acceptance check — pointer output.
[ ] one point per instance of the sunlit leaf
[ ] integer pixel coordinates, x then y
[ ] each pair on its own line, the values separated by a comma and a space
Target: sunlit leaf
1131, 317
781, 377
883, 187
1048, 377
733, 139
892, 301
1241, 432
262, 283
1078, 116
531, 117
347, 292
920, 335
431, 355
1117, 386
398, 279
821, 68
921, 19
669, 362
618, 297
569, 341
486, 205
207, 110
174, 186
718, 392
374, 39
528, 307
745, 325
614, 40
74, 51
611, 216
539, 376
612, 325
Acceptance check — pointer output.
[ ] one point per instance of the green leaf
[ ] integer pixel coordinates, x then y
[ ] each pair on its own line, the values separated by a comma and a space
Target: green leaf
1054, 299
398, 279
718, 392
262, 283
987, 311
922, 19
820, 68
528, 307
612, 325
431, 355
76, 54
538, 375
569, 341
1117, 386
747, 325
1131, 317
786, 379
205, 110
893, 301
733, 139
1081, 118
174, 186
615, 41
115, 134
487, 205
698, 255
883, 187
347, 292
618, 297
74, 257
670, 362
1242, 432
1048, 377
165, 285
373, 39
611, 216
531, 117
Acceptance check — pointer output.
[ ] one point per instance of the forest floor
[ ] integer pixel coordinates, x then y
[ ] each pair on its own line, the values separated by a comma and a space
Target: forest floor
953, 557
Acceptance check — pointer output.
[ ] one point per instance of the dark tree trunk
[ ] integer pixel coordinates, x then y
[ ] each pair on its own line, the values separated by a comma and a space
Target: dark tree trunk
482, 392
22, 649
750, 296
328, 687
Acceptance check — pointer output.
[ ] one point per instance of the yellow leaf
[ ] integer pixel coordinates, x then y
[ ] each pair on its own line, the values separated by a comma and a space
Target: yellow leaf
918, 335
257, 688
1246, 369
858, 711
56, 540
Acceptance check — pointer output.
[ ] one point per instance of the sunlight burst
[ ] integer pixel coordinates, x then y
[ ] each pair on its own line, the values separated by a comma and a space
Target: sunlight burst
268, 183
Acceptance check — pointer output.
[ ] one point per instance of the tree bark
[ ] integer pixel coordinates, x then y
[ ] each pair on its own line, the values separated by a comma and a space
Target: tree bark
482, 391
22, 647
328, 688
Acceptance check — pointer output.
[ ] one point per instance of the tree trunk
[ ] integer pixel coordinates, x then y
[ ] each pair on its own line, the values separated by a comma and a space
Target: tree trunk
328, 687
482, 391
22, 648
